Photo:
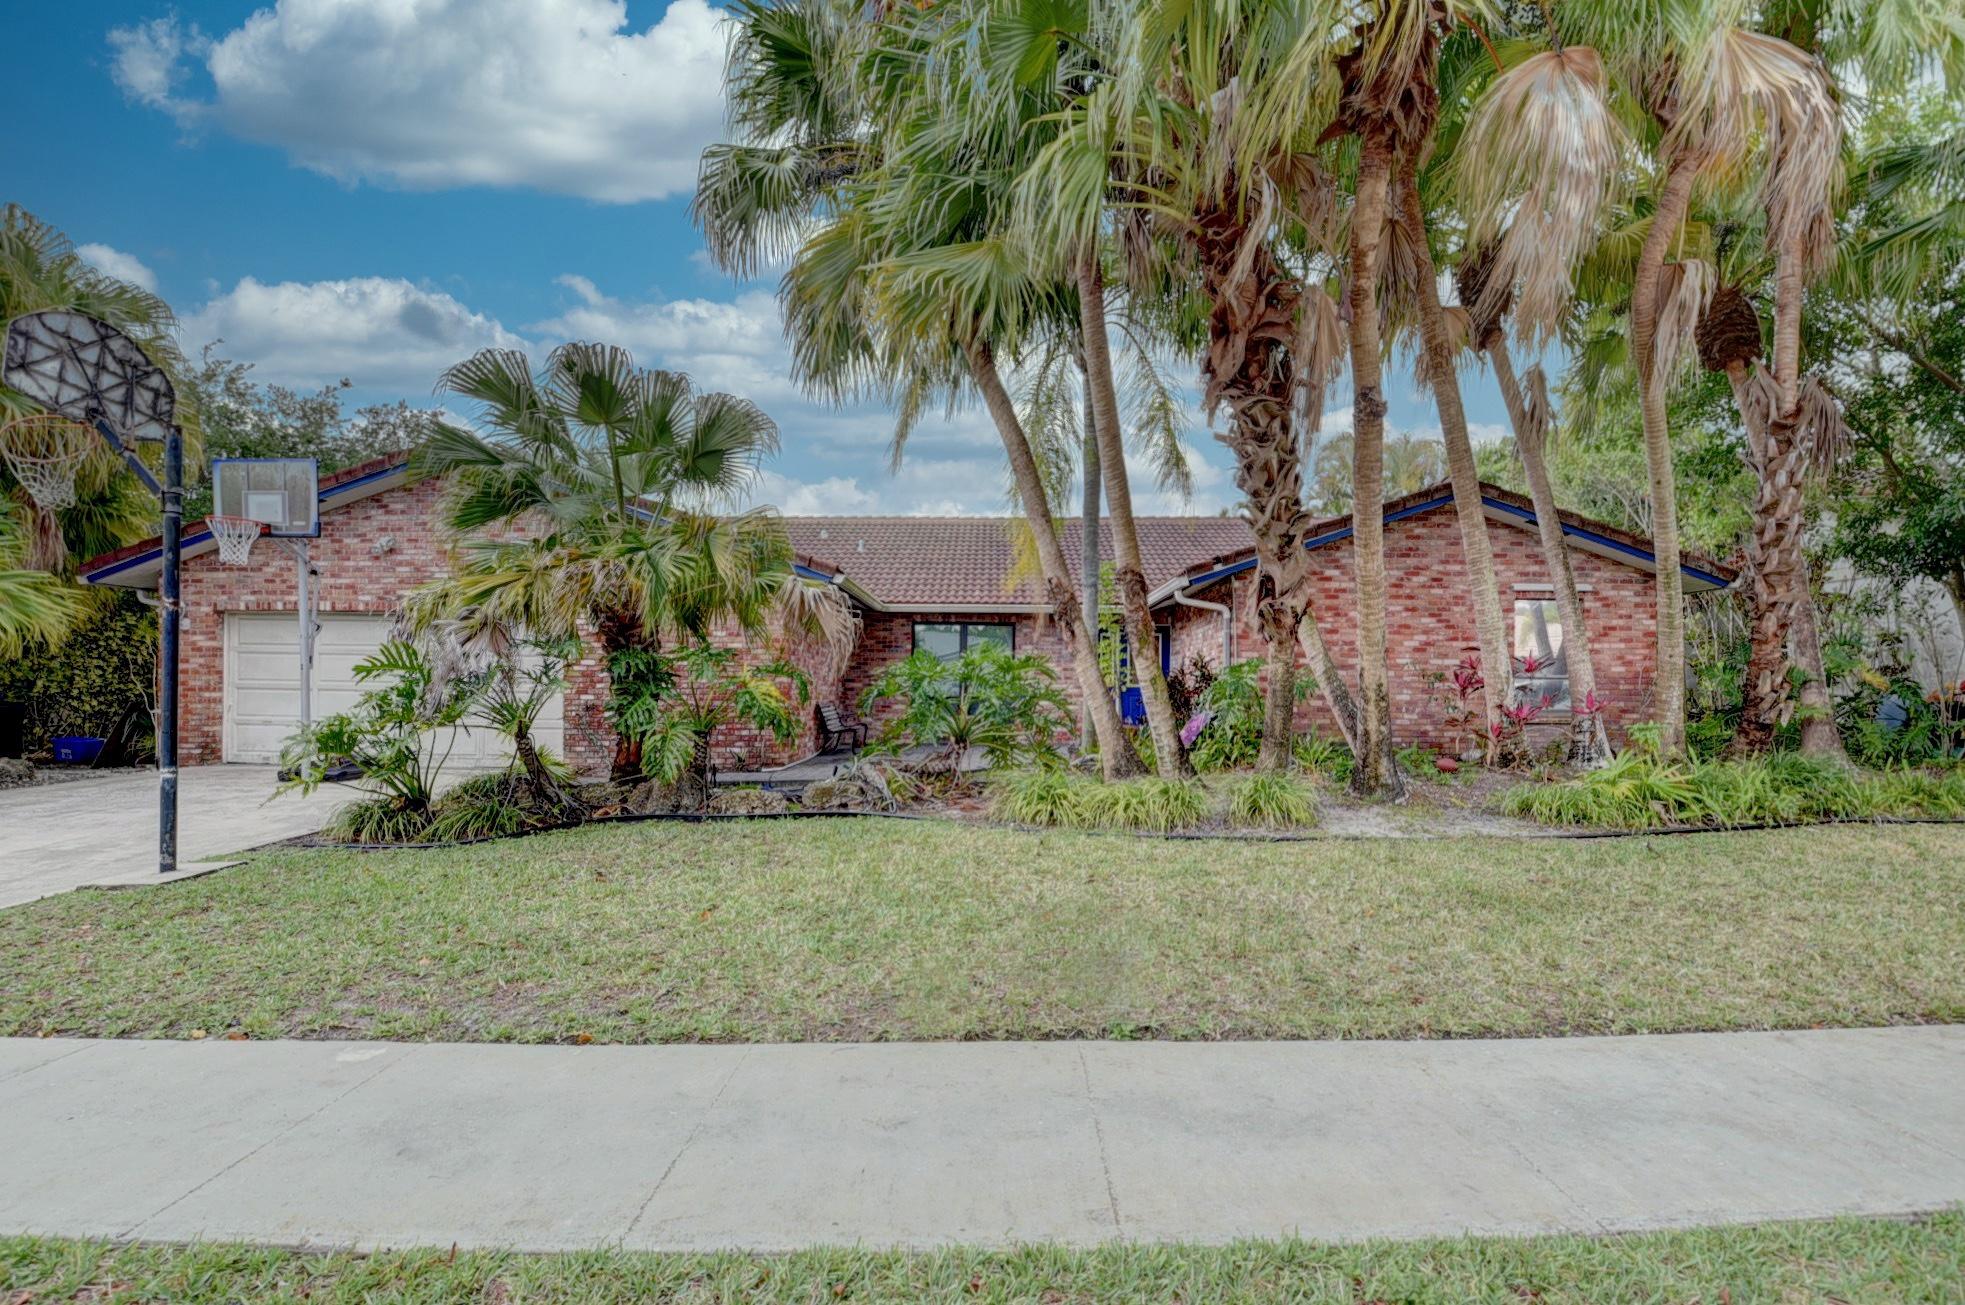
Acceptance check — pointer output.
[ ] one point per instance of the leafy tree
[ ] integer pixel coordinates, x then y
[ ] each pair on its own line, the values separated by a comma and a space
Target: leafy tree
243, 419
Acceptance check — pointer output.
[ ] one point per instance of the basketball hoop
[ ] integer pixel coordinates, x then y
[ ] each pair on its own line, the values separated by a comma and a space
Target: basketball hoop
45, 451
235, 536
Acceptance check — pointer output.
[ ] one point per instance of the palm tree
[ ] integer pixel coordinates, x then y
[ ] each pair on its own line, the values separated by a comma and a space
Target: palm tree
597, 493
1535, 170
1194, 149
897, 288
39, 270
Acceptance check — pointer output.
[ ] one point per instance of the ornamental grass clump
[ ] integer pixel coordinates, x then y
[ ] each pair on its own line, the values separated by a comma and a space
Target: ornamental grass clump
1050, 798
1271, 802
1641, 791
1151, 805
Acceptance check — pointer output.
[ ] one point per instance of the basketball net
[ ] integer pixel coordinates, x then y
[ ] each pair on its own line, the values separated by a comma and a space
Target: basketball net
235, 536
45, 452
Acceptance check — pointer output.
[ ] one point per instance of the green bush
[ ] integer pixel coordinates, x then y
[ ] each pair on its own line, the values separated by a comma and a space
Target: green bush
85, 685
1152, 804
1059, 800
1005, 704
1271, 802
1328, 757
1041, 797
494, 805
388, 819
1640, 791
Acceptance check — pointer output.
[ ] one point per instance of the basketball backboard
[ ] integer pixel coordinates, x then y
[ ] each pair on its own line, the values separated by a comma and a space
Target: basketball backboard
282, 492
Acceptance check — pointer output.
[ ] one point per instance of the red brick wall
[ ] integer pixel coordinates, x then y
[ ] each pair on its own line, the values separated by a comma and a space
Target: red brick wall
1431, 625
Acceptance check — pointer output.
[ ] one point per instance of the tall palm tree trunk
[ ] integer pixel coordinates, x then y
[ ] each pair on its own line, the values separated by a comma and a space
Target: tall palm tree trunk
1375, 771
1129, 571
1477, 550
1088, 536
1250, 367
1588, 743
1669, 656
1116, 758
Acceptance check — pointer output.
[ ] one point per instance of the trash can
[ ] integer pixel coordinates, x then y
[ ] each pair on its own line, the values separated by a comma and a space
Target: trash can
77, 749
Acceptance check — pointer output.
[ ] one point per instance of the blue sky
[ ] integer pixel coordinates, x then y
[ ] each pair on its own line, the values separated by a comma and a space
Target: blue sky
372, 189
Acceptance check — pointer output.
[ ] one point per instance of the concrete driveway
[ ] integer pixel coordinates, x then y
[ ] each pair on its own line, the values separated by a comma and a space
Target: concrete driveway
54, 837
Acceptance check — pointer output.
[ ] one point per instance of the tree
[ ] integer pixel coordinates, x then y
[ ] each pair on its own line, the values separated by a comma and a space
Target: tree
1412, 462
901, 285
1535, 167
606, 490
40, 270
243, 419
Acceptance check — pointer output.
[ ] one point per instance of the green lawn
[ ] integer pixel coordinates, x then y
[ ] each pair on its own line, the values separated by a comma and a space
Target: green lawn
1851, 1261
872, 929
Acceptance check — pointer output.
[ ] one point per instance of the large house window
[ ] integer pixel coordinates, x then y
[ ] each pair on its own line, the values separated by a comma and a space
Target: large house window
1541, 670
950, 639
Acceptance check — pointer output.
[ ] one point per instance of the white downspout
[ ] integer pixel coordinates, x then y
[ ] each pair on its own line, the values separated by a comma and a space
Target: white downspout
1227, 622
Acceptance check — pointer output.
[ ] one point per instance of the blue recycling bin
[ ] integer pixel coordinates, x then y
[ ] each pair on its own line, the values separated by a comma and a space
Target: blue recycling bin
77, 749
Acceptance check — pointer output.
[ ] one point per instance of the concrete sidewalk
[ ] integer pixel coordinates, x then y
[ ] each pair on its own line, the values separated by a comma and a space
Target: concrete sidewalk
779, 1146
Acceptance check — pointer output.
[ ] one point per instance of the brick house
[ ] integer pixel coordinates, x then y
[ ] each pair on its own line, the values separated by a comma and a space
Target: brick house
916, 582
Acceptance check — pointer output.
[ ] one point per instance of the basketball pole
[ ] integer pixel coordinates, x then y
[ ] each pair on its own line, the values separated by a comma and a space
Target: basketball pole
171, 495
167, 689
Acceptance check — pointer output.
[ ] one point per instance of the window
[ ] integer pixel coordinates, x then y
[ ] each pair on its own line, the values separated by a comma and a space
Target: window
950, 639
1541, 671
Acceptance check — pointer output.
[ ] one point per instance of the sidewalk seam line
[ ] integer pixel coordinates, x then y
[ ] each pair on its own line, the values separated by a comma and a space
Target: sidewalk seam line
687, 1142
1501, 1131
90, 1045
309, 1117
1098, 1131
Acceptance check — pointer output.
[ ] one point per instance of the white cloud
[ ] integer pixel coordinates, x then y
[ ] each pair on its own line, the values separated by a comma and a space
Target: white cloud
116, 263
555, 95
380, 332
147, 60
733, 345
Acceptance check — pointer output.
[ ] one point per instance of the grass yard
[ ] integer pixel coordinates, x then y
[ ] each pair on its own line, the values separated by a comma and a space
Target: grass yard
1852, 1261
874, 929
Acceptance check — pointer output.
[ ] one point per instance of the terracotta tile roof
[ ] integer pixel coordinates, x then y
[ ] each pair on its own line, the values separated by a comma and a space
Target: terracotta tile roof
967, 561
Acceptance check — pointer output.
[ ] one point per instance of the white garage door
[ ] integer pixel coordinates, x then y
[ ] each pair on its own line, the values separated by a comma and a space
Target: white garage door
262, 686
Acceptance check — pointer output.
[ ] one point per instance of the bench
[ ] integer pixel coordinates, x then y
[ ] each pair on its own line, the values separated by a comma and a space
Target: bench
836, 729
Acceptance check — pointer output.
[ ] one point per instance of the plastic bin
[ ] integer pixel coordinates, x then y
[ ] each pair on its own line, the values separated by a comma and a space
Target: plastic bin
77, 749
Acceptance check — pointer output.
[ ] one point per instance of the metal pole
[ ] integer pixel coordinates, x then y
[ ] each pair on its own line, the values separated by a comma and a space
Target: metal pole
306, 603
167, 688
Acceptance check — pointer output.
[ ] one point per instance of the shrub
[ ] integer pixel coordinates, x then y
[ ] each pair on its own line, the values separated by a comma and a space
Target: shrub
1231, 734
1640, 791
495, 805
1271, 802
1324, 756
1006, 704
387, 819
1151, 804
102, 671
1047, 797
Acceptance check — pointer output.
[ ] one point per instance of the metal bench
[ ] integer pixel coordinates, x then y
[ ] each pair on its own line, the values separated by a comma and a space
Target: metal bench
836, 729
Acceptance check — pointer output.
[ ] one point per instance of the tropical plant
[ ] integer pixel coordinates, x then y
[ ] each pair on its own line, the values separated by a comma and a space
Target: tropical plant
599, 494
399, 736
1270, 801
40, 270
1227, 727
853, 155
673, 702
1003, 704
1047, 796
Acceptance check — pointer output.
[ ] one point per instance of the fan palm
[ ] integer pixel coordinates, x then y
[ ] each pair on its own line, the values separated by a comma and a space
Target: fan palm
1196, 148
595, 492
899, 287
